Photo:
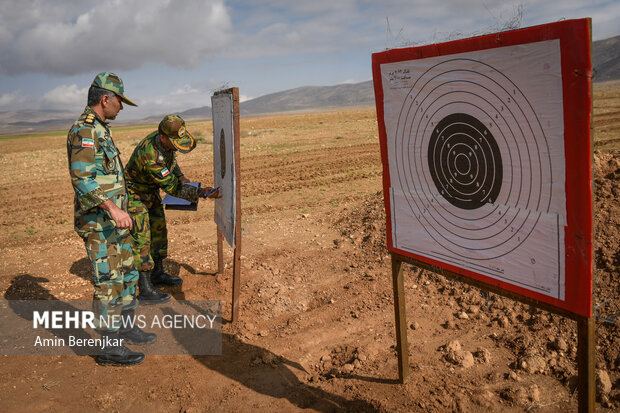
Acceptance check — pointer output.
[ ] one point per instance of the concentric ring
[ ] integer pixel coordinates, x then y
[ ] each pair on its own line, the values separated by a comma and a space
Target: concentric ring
472, 159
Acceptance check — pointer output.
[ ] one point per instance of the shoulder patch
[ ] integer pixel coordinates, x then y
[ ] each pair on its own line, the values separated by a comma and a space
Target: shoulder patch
88, 143
90, 119
165, 172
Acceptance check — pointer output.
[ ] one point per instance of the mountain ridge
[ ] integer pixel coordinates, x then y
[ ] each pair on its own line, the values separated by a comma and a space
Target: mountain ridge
605, 58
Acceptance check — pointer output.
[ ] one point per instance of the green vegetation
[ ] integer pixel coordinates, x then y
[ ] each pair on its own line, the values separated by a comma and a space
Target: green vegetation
33, 135
56, 133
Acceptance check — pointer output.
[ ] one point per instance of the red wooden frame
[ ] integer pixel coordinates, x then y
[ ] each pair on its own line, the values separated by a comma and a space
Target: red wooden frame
575, 47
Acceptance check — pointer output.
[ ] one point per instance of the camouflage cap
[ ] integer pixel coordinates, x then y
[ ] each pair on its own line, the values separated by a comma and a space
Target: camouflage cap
113, 83
174, 128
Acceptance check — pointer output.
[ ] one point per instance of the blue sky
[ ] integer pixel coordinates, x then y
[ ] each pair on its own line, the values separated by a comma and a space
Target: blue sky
172, 54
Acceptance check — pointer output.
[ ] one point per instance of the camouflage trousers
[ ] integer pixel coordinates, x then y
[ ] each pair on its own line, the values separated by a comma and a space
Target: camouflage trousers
149, 233
115, 276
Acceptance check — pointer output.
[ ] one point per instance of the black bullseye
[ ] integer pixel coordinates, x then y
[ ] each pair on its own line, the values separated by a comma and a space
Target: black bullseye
465, 162
462, 164
222, 153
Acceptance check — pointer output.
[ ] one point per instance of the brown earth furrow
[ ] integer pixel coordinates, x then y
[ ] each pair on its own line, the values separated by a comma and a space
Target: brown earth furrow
611, 126
316, 328
607, 113
312, 154
606, 141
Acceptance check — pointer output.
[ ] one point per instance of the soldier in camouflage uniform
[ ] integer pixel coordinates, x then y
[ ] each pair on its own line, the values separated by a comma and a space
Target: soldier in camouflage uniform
101, 217
152, 167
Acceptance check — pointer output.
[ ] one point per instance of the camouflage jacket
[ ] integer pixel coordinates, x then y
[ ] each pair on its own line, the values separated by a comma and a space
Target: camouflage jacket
96, 172
152, 167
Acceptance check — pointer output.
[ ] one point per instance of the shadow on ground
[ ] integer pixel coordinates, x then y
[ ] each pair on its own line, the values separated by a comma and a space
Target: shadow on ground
84, 269
273, 375
28, 293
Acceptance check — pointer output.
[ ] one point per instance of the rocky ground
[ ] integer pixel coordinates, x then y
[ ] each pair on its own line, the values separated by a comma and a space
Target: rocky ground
316, 329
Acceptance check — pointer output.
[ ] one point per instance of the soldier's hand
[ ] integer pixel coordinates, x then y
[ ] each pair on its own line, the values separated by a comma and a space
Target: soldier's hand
122, 219
213, 195
184, 180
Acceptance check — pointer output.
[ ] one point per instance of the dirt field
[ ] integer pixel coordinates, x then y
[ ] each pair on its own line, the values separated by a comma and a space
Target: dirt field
316, 329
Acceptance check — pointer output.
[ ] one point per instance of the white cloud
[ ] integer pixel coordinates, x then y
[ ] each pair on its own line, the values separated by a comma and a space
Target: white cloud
69, 96
65, 38
12, 100
279, 27
188, 96
274, 44
182, 98
185, 90
604, 14
167, 103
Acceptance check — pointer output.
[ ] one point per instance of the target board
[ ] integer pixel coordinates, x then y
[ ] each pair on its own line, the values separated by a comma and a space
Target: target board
486, 151
224, 164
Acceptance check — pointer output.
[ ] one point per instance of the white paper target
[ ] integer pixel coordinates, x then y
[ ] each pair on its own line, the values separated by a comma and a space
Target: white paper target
476, 158
224, 164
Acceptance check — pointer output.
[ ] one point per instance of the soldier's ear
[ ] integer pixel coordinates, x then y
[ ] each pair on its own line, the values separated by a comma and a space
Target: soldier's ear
105, 100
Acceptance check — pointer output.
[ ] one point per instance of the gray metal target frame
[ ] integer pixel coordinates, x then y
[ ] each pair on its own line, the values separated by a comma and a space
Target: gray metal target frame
226, 174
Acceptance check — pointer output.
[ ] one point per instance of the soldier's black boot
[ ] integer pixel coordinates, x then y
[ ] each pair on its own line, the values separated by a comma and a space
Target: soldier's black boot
113, 352
159, 276
134, 335
148, 294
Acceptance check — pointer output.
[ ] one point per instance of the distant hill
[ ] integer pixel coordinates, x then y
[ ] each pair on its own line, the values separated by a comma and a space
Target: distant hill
44, 125
605, 58
301, 98
24, 121
34, 116
197, 113
311, 97
201, 113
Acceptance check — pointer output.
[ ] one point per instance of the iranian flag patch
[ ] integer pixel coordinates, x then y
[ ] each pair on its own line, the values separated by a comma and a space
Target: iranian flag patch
165, 172
88, 143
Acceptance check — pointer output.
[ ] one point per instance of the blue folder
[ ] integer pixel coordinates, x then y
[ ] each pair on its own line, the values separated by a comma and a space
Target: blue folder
172, 202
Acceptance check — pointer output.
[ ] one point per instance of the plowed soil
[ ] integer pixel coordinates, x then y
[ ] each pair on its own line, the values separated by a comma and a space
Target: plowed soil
316, 329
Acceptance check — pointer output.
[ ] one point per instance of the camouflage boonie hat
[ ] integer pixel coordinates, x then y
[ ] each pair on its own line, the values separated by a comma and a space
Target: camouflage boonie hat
113, 83
174, 128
